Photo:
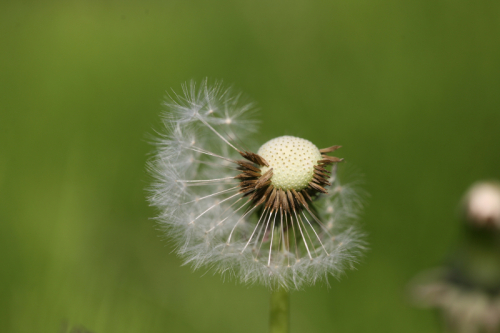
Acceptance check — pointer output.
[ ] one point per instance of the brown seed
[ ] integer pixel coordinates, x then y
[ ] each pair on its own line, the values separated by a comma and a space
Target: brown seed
271, 198
284, 201
306, 195
322, 169
290, 200
264, 179
332, 159
300, 198
244, 165
329, 149
317, 187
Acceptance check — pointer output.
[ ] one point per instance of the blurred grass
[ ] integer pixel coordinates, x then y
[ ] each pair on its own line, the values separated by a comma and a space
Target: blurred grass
410, 89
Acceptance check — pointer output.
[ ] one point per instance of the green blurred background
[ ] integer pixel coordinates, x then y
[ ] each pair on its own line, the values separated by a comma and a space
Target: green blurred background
409, 88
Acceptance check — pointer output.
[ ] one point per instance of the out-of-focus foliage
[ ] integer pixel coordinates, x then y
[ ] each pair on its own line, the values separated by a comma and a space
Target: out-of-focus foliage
409, 88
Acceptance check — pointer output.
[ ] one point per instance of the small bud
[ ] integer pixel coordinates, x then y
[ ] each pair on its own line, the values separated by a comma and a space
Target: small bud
482, 204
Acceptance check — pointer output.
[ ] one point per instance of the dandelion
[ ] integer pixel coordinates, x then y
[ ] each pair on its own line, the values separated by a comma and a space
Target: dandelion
482, 204
278, 216
466, 289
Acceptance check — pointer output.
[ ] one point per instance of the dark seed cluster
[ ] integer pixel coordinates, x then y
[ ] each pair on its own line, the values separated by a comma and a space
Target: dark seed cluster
258, 188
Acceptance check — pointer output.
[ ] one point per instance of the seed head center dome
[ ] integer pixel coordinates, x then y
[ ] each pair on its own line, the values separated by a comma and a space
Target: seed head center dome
292, 160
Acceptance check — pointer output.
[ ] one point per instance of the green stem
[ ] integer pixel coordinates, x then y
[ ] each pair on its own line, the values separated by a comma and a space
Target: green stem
279, 312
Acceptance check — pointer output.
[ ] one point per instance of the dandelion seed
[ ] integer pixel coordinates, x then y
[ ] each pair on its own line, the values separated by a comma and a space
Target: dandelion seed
256, 216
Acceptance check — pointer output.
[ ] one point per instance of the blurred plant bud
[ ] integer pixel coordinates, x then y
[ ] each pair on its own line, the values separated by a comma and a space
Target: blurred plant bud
466, 290
482, 205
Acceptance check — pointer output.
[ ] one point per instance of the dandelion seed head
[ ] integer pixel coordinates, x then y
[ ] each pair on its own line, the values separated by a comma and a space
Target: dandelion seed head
292, 160
271, 217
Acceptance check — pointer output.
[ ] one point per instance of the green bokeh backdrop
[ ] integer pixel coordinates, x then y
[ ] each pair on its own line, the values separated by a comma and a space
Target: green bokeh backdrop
409, 88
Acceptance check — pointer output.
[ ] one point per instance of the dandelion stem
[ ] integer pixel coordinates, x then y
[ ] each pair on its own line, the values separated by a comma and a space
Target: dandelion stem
279, 312
279, 308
